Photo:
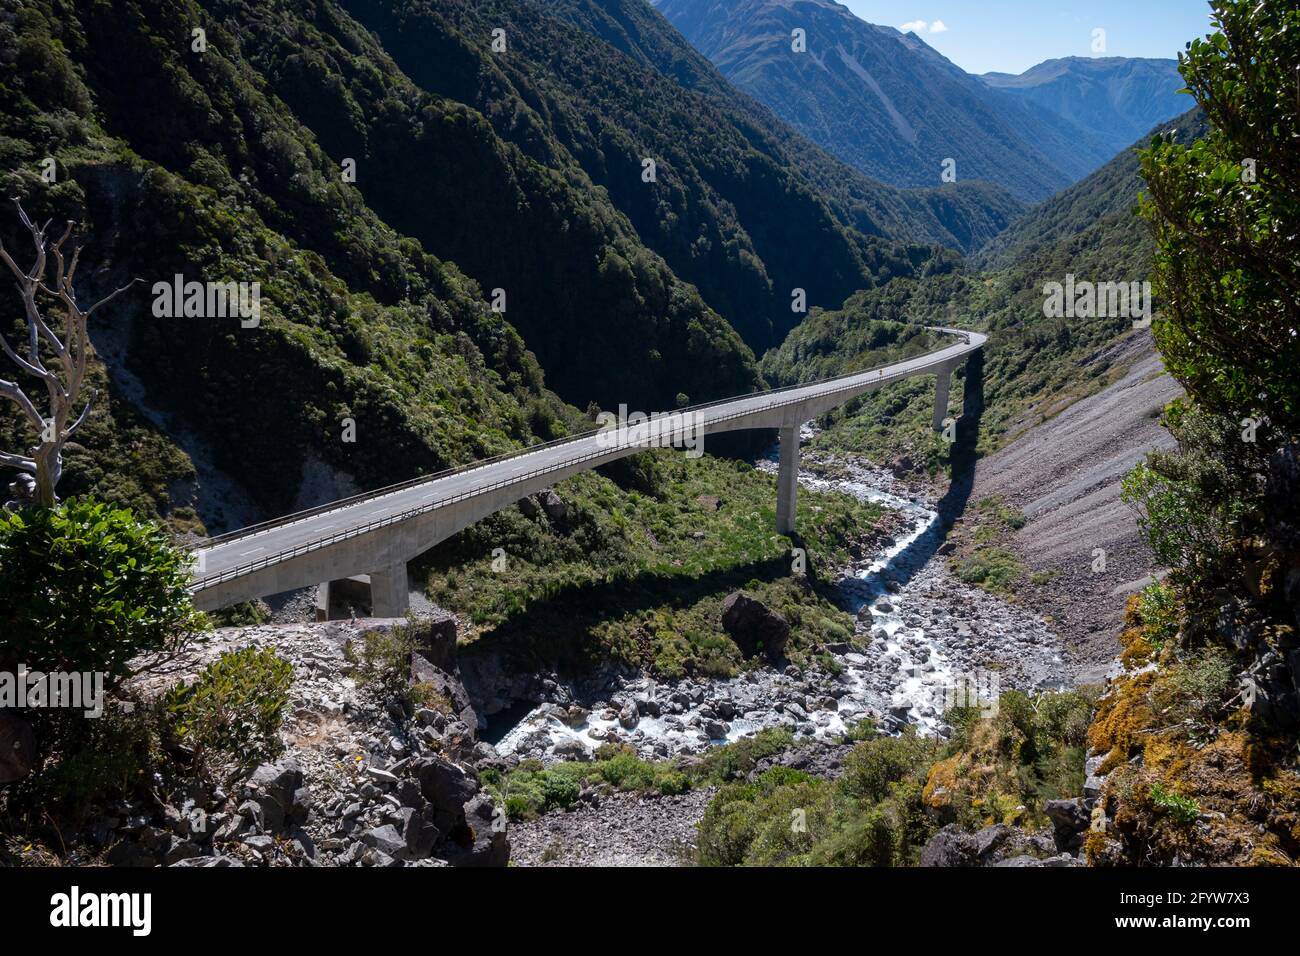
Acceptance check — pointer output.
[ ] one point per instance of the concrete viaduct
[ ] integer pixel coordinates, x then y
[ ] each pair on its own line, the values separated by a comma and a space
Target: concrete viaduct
379, 532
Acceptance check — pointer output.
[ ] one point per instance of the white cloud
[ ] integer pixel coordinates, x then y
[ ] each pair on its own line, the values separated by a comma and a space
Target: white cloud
920, 26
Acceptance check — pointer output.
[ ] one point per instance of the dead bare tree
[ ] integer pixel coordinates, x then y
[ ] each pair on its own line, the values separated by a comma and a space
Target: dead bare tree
65, 382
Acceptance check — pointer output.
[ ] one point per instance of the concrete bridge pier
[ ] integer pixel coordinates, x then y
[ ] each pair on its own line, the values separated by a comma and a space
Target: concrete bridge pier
787, 480
389, 594
323, 601
943, 385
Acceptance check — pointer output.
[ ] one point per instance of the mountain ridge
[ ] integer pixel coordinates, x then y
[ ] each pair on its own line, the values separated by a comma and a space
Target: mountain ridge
1117, 99
885, 101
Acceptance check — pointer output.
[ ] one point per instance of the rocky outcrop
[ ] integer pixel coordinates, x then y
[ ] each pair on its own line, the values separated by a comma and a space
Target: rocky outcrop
1070, 821
364, 781
546, 502
997, 845
755, 627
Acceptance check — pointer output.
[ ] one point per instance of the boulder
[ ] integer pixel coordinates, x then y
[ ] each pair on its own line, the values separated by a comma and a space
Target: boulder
754, 626
438, 682
1093, 782
482, 840
436, 637
571, 748
447, 787
386, 839
990, 840
629, 715
272, 788
951, 846
419, 836
1070, 821
555, 507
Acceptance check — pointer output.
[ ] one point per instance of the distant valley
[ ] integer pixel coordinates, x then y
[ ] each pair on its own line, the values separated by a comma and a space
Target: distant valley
887, 103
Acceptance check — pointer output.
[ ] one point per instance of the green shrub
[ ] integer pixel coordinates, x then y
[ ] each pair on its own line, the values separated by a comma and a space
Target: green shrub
736, 760
1161, 613
382, 663
864, 729
1194, 501
1062, 718
558, 790
233, 711
86, 587
1183, 810
1192, 691
245, 614
532, 789
994, 569
94, 761
776, 820
875, 764
870, 839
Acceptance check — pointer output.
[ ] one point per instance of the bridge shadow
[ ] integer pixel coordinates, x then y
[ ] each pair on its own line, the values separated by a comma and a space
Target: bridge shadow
559, 631
962, 460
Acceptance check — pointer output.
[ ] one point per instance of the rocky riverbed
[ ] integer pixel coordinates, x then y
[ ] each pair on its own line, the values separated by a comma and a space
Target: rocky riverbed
923, 642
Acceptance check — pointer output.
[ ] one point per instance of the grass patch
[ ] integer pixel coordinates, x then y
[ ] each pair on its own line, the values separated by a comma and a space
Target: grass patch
532, 789
981, 556
639, 574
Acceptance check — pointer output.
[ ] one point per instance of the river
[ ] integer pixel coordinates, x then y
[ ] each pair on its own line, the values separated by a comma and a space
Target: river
926, 641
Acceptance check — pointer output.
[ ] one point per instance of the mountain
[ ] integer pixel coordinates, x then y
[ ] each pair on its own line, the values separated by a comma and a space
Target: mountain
1116, 99
225, 165
1034, 366
734, 210
1098, 208
959, 215
885, 101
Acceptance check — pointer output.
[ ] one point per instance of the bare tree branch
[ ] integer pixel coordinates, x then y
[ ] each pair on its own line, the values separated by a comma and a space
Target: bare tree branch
18, 461
11, 390
72, 429
112, 295
72, 352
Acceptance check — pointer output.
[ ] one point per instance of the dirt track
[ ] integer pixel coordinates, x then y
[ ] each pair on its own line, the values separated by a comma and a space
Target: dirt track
1064, 475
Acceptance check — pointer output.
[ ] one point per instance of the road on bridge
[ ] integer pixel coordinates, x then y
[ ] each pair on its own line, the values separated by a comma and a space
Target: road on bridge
252, 549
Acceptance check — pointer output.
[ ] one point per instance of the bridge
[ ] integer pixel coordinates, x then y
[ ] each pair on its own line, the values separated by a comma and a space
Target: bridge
378, 532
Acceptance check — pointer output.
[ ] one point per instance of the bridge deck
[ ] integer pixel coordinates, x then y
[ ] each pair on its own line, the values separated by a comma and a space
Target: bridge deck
260, 546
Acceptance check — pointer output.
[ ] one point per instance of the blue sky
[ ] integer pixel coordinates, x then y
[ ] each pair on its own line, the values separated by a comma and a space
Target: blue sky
1010, 36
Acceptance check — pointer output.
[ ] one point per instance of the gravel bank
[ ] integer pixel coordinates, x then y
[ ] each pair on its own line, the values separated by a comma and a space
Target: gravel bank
620, 830
1065, 476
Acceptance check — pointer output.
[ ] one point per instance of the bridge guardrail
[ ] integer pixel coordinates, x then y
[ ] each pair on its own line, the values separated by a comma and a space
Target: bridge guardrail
852, 380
